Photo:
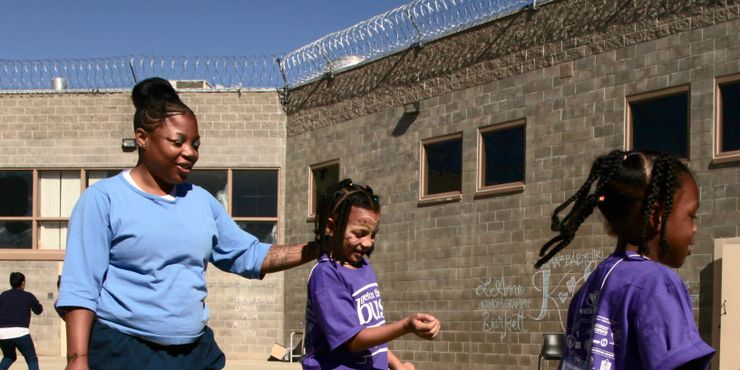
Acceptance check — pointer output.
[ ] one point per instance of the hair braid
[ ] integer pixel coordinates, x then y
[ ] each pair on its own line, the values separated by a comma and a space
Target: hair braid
670, 186
652, 197
662, 187
628, 185
336, 203
323, 209
584, 203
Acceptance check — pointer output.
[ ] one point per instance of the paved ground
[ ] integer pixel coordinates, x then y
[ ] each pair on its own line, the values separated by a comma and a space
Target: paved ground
57, 363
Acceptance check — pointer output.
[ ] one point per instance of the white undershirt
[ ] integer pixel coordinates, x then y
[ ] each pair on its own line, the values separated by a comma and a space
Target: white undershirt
127, 176
15, 332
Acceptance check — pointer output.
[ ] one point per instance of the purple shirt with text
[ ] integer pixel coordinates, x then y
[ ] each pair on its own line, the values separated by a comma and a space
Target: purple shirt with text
341, 303
640, 319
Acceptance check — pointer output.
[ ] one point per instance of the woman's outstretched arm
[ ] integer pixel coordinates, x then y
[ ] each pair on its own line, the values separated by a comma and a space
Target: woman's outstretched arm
283, 257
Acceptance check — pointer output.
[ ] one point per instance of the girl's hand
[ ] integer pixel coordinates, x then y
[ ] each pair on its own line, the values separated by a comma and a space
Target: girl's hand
395, 364
424, 325
407, 366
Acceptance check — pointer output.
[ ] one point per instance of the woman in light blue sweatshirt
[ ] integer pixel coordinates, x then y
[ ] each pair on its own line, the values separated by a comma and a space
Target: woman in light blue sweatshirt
133, 285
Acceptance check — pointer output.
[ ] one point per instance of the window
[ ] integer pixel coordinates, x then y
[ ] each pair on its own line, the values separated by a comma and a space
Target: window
250, 197
35, 205
441, 168
322, 176
659, 121
501, 157
727, 119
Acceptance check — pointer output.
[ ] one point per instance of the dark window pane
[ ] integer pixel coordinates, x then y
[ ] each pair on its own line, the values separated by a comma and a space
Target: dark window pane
214, 181
266, 232
323, 178
444, 166
730, 117
255, 193
504, 155
661, 125
15, 193
15, 234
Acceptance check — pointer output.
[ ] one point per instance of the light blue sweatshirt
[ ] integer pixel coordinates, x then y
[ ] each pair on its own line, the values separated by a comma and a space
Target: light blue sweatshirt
139, 261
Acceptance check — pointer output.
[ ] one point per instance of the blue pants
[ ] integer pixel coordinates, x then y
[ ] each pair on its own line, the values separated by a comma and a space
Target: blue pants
112, 350
25, 345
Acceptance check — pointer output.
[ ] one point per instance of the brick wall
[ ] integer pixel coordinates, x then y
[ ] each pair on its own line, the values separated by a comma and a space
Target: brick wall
470, 262
84, 130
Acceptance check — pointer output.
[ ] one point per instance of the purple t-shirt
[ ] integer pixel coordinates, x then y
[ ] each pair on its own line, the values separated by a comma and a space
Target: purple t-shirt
341, 303
633, 313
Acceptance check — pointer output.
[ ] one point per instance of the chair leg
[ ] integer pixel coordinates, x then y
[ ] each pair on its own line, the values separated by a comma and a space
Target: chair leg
539, 364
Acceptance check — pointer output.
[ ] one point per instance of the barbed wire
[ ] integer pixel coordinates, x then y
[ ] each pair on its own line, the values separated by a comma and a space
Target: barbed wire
123, 72
401, 28
407, 26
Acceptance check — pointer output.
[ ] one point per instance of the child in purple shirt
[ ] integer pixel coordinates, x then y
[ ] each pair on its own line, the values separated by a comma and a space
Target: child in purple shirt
345, 325
634, 312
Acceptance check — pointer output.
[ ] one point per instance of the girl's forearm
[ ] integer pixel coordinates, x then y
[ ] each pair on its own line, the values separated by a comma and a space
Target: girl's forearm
371, 337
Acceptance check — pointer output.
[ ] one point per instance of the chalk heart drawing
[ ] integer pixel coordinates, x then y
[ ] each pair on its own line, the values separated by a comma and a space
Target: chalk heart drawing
571, 284
563, 296
504, 304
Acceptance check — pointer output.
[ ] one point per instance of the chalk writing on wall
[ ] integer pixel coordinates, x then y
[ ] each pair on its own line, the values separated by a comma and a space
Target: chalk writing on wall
504, 304
248, 308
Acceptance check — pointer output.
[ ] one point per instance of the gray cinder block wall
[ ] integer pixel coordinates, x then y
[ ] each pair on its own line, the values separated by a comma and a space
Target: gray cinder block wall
565, 68
75, 130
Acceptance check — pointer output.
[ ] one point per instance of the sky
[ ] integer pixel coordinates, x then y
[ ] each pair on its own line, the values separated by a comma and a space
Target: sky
63, 29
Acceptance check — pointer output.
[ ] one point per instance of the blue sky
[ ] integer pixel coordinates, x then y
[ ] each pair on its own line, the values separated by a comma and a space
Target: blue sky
54, 29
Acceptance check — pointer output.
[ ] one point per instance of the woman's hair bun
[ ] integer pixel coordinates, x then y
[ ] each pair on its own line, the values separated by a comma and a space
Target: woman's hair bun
151, 90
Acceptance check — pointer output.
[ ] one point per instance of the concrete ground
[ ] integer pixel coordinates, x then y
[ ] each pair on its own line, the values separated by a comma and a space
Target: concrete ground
58, 363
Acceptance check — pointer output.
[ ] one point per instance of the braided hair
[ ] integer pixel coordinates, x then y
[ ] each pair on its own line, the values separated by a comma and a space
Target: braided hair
336, 203
155, 99
628, 184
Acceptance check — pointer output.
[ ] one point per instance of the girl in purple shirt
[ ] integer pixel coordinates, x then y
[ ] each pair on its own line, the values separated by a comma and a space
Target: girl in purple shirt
345, 325
634, 312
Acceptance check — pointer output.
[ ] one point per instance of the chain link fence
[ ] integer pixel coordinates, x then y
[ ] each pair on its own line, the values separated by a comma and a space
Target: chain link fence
407, 26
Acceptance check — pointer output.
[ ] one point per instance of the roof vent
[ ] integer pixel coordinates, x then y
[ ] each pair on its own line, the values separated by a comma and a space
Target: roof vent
190, 84
58, 84
345, 62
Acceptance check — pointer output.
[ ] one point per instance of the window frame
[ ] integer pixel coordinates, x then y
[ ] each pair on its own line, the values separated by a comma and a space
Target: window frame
654, 95
450, 196
230, 195
482, 190
36, 254
312, 201
720, 156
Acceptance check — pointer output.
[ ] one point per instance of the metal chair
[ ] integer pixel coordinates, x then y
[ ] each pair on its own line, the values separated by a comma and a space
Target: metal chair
553, 347
292, 356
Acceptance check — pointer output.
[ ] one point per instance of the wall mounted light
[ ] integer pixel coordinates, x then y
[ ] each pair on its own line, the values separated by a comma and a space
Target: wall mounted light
411, 108
410, 114
128, 145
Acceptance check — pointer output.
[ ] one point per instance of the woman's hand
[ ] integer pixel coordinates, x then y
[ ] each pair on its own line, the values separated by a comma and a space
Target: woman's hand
424, 325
